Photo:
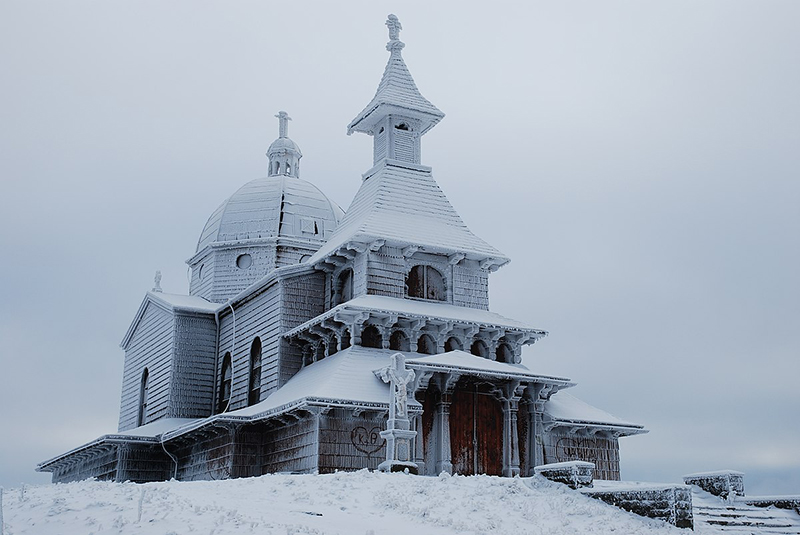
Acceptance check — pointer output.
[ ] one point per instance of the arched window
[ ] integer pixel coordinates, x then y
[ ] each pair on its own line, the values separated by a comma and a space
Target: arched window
346, 339
480, 349
143, 387
453, 344
343, 288
504, 353
225, 383
399, 341
426, 345
425, 282
254, 389
288, 169
371, 337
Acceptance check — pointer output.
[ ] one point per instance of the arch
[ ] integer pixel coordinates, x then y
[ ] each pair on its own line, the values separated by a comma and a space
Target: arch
288, 168
254, 385
399, 341
371, 337
225, 380
333, 345
402, 126
143, 391
479, 349
453, 344
426, 345
343, 288
426, 282
308, 354
319, 353
504, 353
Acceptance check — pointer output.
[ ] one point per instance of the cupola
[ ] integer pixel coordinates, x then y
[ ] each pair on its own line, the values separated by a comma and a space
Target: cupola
284, 154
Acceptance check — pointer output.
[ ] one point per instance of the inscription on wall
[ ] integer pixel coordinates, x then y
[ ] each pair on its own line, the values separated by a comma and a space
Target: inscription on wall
367, 440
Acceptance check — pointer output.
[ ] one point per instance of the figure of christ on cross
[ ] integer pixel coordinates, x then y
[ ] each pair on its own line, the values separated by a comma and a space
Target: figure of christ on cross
398, 378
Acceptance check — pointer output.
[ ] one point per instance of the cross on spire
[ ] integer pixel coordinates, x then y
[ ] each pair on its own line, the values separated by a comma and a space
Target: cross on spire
283, 124
394, 27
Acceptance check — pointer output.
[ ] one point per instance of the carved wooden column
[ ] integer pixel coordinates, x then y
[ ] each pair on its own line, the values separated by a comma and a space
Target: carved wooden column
419, 443
510, 394
441, 424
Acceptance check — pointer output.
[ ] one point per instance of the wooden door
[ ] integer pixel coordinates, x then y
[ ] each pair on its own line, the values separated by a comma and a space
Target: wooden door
476, 431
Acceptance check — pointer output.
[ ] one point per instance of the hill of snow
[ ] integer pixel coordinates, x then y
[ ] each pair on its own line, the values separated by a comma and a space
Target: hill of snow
359, 503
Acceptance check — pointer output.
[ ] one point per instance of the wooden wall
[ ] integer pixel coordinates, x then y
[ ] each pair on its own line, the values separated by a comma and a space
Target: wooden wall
193, 366
151, 346
347, 442
560, 446
101, 465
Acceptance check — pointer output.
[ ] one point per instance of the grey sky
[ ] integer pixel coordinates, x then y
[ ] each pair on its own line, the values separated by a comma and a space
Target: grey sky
638, 161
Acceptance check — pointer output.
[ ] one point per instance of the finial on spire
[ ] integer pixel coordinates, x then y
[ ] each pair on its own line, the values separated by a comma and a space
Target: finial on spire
157, 281
394, 27
283, 124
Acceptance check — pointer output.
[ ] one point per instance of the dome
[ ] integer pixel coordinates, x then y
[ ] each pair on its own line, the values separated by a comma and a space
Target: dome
277, 206
283, 144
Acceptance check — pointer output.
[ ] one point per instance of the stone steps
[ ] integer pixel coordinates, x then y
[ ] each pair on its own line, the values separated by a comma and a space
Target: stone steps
715, 515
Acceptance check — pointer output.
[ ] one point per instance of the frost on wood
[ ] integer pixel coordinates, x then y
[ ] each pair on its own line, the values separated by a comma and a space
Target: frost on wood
397, 285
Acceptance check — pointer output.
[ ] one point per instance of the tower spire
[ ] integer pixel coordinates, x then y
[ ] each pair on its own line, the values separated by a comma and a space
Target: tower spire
398, 114
284, 154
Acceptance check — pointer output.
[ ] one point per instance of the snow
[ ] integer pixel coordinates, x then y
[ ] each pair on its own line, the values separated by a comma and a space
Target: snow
461, 360
413, 307
563, 406
714, 473
363, 502
190, 303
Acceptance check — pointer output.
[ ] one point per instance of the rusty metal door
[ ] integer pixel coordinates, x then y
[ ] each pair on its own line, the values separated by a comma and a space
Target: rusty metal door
476, 431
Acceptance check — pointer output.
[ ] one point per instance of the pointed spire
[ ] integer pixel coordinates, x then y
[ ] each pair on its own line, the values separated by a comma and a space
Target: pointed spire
284, 154
397, 93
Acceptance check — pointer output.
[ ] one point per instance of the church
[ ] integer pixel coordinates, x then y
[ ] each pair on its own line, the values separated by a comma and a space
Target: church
314, 340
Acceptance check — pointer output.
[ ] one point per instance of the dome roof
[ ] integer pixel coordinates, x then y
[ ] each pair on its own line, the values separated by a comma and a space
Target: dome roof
281, 144
272, 207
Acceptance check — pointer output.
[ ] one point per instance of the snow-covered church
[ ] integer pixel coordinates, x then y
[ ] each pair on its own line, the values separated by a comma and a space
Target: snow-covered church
315, 340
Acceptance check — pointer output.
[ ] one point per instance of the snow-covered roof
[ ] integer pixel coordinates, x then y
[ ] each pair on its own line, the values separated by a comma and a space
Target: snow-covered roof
461, 361
170, 302
146, 433
420, 309
564, 407
271, 207
405, 206
397, 90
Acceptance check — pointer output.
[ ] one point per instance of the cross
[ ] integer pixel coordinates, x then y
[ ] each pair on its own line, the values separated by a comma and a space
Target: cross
283, 123
394, 27
398, 376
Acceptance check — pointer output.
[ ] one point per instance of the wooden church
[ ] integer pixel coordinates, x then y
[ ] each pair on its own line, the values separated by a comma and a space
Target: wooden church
315, 340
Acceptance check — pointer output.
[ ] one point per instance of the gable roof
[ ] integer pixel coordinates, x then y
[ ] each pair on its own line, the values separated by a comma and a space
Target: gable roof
169, 303
565, 408
405, 206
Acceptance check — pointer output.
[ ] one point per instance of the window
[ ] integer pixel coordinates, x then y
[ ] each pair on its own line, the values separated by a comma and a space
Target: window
225, 383
143, 387
504, 353
371, 337
480, 349
343, 288
402, 126
254, 389
426, 345
453, 344
244, 261
425, 282
399, 341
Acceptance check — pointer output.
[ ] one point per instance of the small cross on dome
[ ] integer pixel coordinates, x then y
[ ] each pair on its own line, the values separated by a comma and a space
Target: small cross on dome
283, 123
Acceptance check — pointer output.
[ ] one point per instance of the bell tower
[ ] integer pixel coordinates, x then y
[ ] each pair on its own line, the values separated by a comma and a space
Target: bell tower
398, 116
284, 154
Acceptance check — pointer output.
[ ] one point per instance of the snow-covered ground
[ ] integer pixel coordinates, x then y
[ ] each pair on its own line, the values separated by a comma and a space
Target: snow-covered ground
359, 503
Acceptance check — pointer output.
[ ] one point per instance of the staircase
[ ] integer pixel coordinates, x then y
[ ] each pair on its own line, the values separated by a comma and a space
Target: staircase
714, 515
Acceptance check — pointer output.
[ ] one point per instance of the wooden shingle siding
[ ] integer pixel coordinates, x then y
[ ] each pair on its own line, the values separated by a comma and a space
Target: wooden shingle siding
350, 443
151, 346
102, 466
193, 366
206, 457
203, 286
291, 448
143, 463
229, 279
470, 285
302, 298
257, 317
561, 446
386, 272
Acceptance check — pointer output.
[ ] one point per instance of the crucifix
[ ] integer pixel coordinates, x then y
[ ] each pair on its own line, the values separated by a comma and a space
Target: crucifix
394, 27
398, 434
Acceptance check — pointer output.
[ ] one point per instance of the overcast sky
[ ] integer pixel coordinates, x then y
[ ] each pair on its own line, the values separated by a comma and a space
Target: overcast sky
638, 161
